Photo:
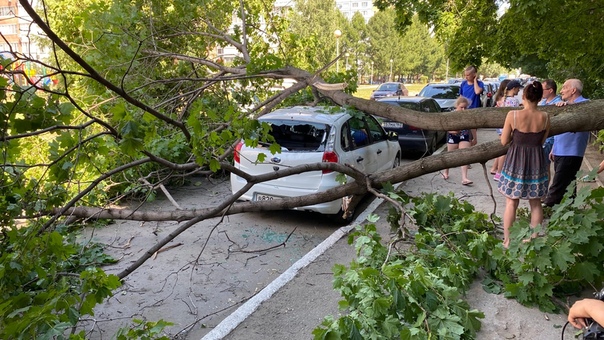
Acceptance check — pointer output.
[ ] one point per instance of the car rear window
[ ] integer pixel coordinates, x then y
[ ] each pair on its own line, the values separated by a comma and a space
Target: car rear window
299, 136
388, 87
406, 105
440, 92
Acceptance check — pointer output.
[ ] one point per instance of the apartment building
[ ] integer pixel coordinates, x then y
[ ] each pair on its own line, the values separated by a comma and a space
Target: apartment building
17, 32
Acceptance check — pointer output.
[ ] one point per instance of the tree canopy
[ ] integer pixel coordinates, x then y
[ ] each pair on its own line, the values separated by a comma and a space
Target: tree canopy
541, 37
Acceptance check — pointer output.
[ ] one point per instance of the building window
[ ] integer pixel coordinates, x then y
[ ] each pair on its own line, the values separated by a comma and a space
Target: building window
8, 29
6, 11
355, 4
363, 4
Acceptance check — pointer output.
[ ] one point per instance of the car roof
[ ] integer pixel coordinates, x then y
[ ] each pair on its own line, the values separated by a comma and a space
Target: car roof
317, 114
406, 99
442, 84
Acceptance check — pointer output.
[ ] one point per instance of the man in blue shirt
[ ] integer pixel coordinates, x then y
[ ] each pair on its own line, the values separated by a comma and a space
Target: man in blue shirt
471, 88
549, 97
569, 147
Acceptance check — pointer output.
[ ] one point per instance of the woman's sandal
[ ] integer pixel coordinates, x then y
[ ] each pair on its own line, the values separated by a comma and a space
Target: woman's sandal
468, 182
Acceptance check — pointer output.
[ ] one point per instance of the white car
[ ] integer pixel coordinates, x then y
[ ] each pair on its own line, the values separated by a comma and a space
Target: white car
311, 135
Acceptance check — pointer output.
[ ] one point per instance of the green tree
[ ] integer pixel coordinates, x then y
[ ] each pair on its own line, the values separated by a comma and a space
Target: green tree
385, 42
314, 22
543, 38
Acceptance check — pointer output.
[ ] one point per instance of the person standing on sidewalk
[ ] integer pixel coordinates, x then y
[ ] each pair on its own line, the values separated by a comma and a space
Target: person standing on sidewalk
524, 175
460, 139
472, 88
550, 88
569, 147
509, 100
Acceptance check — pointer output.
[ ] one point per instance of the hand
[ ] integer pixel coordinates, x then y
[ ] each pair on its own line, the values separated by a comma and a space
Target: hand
551, 156
583, 309
473, 142
561, 103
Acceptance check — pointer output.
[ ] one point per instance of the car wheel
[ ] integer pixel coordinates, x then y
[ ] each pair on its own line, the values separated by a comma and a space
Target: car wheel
340, 219
397, 161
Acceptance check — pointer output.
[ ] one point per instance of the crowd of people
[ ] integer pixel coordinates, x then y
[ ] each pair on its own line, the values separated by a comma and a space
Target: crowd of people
524, 172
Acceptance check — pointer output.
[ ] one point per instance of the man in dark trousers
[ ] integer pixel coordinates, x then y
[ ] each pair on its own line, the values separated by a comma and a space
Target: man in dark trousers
569, 147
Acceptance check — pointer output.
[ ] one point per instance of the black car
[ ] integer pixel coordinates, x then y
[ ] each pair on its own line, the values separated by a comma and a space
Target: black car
389, 89
410, 138
444, 94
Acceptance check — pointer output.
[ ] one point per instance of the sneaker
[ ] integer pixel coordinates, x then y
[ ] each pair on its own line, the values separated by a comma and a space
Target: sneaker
496, 177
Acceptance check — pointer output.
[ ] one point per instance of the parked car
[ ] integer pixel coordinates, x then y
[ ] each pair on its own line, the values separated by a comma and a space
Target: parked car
309, 135
390, 89
410, 138
444, 94
488, 95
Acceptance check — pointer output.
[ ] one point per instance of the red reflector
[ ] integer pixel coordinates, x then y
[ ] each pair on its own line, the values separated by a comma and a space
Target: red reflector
236, 155
489, 95
329, 157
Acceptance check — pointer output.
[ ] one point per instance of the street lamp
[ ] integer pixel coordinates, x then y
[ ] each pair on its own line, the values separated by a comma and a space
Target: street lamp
337, 34
371, 79
391, 69
347, 55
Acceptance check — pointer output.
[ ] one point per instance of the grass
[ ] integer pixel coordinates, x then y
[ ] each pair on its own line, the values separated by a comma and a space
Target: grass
364, 91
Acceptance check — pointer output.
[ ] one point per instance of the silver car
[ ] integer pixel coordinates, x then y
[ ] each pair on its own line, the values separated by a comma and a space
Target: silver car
309, 135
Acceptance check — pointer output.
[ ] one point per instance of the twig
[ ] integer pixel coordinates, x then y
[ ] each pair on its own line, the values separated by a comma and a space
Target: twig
166, 248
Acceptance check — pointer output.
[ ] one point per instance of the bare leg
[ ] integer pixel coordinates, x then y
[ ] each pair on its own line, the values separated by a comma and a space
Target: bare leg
500, 161
495, 165
450, 147
509, 216
536, 214
464, 168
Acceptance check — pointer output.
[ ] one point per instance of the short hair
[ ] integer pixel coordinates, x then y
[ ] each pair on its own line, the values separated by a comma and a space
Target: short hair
462, 100
576, 84
471, 68
533, 92
551, 84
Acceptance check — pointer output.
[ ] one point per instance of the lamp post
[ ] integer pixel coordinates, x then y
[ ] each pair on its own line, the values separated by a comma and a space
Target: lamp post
337, 34
391, 69
371, 79
347, 55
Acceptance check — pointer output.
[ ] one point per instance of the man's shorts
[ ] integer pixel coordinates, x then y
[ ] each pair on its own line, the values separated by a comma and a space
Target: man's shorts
462, 136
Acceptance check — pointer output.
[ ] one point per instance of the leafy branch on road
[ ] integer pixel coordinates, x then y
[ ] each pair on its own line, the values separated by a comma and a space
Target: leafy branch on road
418, 292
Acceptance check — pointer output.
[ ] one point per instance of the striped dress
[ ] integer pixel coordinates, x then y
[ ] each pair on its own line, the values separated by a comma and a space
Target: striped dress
524, 174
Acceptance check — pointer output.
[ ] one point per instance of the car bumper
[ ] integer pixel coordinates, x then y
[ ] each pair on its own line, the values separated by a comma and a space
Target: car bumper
269, 191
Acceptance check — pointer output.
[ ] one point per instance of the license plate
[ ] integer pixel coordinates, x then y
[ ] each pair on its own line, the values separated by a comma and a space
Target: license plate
392, 125
263, 197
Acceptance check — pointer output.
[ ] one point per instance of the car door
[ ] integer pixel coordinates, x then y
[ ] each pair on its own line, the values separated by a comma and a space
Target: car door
355, 144
382, 152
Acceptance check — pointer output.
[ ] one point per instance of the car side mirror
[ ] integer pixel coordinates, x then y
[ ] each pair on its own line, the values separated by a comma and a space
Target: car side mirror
393, 136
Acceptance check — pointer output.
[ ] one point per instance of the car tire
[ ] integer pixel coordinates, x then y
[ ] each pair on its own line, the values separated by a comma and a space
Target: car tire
397, 161
339, 218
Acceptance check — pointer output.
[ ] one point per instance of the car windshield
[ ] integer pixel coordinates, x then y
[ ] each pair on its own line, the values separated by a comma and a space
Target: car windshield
299, 136
388, 87
440, 92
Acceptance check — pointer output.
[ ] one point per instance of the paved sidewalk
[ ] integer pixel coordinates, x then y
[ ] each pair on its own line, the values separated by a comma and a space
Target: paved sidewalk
298, 301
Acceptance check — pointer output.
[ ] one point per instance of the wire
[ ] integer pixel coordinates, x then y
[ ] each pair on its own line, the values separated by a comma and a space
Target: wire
563, 329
